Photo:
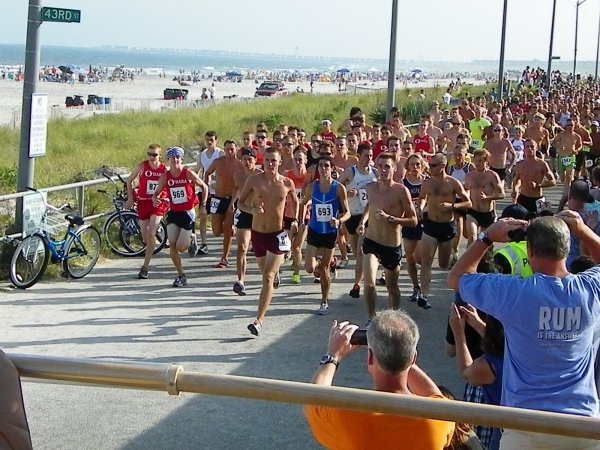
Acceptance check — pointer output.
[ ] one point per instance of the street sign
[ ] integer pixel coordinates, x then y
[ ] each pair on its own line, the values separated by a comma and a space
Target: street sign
38, 125
34, 207
50, 14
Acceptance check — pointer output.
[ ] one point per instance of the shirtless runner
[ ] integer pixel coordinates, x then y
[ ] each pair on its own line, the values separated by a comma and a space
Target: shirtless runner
440, 193
500, 149
242, 220
264, 196
390, 207
485, 187
531, 175
568, 144
221, 208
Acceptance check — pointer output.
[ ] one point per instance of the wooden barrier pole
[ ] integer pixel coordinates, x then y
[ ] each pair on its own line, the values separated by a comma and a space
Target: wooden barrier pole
173, 379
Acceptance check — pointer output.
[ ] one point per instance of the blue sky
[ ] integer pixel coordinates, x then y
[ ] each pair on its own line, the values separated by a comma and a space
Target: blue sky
457, 30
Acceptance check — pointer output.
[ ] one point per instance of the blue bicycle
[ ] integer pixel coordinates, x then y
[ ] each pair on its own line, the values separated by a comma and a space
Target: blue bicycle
77, 251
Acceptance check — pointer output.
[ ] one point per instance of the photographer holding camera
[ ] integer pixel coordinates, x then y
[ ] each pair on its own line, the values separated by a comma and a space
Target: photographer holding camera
549, 321
392, 339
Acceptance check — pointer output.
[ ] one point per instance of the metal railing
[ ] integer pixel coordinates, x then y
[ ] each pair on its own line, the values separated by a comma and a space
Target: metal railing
174, 379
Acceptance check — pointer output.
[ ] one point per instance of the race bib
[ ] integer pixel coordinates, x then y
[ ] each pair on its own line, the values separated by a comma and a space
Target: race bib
214, 205
236, 217
475, 143
540, 204
362, 197
324, 212
566, 161
299, 194
178, 195
284, 242
589, 163
151, 187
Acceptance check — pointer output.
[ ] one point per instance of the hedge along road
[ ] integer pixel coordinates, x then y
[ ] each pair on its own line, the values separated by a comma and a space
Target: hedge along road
112, 314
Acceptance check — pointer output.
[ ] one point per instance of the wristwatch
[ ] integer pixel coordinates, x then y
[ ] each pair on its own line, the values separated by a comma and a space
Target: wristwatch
483, 237
328, 359
391, 219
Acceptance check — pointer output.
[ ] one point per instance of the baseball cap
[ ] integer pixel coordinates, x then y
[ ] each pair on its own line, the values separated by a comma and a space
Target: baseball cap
595, 122
515, 212
248, 152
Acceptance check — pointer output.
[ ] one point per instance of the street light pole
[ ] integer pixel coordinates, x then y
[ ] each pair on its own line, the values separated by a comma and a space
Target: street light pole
597, 51
502, 42
391, 94
579, 3
549, 72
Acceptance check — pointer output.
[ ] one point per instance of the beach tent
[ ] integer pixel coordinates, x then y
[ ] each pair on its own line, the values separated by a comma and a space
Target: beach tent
344, 70
233, 73
416, 73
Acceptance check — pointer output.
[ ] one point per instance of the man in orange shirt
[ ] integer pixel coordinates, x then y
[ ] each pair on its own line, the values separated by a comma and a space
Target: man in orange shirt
392, 371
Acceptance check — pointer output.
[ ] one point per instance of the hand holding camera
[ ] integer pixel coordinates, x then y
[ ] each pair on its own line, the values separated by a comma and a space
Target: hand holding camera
503, 229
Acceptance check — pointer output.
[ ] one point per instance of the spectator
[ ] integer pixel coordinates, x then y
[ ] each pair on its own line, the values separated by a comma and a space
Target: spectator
14, 430
549, 362
464, 438
392, 351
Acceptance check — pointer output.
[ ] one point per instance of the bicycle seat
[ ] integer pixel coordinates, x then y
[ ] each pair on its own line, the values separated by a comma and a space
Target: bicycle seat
74, 220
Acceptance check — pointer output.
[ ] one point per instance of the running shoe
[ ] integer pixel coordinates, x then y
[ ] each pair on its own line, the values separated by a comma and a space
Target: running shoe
296, 278
343, 263
239, 288
423, 302
381, 280
193, 248
277, 280
355, 291
255, 328
223, 264
203, 249
348, 248
180, 280
415, 295
453, 260
323, 309
143, 274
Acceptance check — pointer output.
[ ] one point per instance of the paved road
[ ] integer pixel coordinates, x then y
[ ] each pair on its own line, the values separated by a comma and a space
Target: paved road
111, 314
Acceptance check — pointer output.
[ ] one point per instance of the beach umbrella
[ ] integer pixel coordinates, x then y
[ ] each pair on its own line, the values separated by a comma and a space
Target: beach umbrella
233, 73
344, 70
65, 69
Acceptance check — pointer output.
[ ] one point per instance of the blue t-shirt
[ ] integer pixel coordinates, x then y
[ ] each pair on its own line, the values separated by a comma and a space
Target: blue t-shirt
325, 206
549, 326
493, 392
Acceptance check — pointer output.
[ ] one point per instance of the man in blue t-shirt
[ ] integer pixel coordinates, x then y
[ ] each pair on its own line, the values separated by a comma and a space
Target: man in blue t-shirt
549, 322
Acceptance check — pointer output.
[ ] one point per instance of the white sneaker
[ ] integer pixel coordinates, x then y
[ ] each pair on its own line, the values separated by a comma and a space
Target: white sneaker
323, 309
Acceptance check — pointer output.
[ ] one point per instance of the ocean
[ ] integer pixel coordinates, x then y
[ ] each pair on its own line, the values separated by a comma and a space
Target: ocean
172, 61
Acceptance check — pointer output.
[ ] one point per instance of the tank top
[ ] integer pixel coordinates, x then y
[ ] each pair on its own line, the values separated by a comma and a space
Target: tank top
459, 174
358, 203
298, 181
422, 144
149, 180
413, 189
205, 162
325, 206
180, 191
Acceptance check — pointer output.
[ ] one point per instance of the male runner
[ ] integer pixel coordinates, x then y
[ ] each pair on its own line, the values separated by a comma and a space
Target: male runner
440, 193
329, 209
264, 196
568, 144
390, 207
221, 208
500, 150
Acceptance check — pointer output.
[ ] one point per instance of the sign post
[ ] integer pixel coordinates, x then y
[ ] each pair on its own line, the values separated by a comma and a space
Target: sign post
33, 126
34, 207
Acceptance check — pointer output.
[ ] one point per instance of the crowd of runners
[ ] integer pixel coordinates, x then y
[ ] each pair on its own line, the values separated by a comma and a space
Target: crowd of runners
373, 193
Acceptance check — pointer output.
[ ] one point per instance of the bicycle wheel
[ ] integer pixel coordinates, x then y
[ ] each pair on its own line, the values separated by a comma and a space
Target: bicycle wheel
29, 261
119, 230
130, 234
81, 251
161, 237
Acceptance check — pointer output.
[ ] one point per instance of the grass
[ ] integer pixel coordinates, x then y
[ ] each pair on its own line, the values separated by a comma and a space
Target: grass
78, 148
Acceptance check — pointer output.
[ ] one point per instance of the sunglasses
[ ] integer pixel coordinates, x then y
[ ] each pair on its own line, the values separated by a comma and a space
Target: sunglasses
286, 143
497, 130
315, 142
261, 137
153, 154
433, 166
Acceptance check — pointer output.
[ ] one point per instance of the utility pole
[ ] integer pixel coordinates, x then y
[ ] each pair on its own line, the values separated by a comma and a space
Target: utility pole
391, 94
502, 43
579, 3
549, 72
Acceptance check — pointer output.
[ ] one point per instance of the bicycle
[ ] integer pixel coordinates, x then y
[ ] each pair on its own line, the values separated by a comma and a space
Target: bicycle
122, 230
77, 251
